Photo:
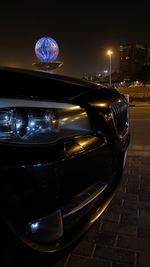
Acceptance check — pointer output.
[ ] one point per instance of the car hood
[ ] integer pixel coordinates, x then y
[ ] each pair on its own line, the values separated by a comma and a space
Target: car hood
30, 84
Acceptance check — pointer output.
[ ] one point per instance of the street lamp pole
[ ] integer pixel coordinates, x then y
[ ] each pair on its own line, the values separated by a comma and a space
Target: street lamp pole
109, 53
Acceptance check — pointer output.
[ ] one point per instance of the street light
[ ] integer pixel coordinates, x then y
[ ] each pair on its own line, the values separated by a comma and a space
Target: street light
109, 53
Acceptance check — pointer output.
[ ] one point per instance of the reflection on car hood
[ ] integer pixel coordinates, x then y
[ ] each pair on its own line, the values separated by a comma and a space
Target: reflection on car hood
41, 85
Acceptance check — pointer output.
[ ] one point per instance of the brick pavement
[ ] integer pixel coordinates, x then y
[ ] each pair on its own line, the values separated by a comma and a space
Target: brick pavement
121, 237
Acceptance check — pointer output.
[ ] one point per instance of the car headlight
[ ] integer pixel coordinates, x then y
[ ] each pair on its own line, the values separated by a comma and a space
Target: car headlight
38, 122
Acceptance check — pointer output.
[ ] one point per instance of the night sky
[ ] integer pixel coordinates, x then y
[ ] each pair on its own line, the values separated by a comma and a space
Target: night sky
84, 31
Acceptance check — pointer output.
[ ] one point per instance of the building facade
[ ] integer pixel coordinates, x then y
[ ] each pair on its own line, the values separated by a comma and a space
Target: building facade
132, 59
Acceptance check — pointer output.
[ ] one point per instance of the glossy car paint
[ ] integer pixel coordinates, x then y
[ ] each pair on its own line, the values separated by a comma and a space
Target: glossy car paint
68, 183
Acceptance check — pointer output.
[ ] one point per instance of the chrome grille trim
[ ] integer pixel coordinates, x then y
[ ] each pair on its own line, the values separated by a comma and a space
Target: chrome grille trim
120, 116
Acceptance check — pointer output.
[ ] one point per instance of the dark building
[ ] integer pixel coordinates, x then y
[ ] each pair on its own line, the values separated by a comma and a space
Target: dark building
132, 59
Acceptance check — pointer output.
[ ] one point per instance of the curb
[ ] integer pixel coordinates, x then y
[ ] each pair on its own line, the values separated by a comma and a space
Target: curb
139, 153
139, 105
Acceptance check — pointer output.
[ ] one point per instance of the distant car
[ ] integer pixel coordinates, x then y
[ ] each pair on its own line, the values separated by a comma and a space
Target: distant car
63, 144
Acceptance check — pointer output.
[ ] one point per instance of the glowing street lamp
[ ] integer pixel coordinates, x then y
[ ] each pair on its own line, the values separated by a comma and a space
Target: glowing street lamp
109, 53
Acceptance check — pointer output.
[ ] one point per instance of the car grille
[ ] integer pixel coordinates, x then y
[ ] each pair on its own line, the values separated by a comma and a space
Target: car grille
120, 115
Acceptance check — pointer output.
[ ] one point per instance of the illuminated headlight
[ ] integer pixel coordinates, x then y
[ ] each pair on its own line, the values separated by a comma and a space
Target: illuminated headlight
38, 122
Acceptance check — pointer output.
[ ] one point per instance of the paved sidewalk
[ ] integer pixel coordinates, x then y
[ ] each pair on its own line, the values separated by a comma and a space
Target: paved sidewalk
121, 237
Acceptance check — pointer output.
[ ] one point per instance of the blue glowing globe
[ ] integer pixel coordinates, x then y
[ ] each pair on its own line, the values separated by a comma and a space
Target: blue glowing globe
46, 50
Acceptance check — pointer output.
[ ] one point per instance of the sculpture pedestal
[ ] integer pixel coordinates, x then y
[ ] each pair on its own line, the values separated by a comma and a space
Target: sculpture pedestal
47, 66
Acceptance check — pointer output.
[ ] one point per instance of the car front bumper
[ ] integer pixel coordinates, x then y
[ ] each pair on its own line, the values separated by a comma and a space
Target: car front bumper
50, 195
47, 224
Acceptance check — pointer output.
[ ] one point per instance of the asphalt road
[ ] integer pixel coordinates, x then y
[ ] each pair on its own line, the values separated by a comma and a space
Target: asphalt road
140, 129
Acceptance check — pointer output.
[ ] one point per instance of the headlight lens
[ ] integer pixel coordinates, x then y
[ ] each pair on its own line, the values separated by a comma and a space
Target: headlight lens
19, 122
38, 122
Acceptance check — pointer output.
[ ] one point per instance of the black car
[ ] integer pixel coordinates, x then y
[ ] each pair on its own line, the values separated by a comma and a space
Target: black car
63, 144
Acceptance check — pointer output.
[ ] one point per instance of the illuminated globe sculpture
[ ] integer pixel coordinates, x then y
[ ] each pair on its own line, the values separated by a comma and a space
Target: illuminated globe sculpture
47, 50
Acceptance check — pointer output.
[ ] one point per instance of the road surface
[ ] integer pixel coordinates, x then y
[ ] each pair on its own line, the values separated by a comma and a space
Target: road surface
140, 130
